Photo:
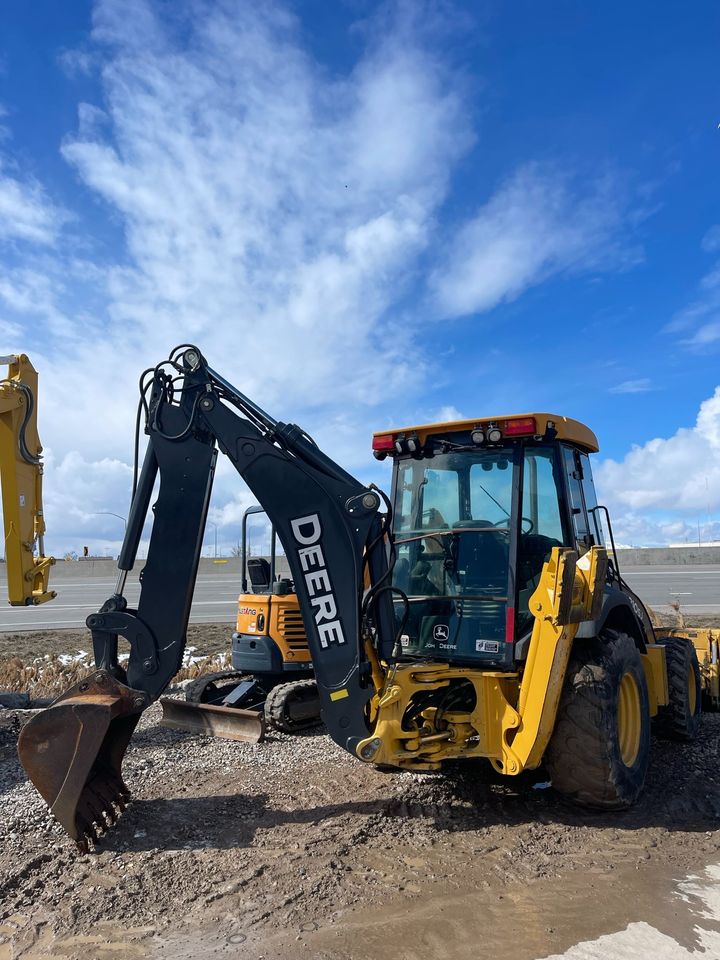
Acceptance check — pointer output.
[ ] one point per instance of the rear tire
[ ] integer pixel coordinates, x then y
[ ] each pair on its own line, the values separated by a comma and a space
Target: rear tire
679, 720
600, 749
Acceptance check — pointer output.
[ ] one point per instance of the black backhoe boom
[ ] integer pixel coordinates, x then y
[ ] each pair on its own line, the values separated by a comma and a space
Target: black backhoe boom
336, 544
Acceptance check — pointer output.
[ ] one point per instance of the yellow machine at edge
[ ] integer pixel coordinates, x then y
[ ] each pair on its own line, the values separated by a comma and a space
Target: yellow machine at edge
21, 476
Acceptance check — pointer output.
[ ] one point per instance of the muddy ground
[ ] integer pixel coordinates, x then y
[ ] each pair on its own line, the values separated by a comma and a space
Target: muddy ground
291, 848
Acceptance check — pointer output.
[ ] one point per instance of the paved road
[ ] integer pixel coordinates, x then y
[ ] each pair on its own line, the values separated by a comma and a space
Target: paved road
697, 589
215, 602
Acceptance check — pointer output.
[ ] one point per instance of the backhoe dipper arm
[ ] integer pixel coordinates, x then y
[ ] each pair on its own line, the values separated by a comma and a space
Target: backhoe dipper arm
327, 521
21, 474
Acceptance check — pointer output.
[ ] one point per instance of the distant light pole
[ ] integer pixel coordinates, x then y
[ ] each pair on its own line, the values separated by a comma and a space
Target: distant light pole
109, 513
214, 525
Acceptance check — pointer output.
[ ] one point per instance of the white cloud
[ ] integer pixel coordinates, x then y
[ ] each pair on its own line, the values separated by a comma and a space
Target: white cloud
446, 414
662, 488
711, 240
632, 386
265, 203
26, 213
699, 321
535, 226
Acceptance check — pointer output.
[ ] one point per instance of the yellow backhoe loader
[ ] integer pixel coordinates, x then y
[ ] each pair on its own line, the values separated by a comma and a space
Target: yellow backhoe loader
475, 613
21, 477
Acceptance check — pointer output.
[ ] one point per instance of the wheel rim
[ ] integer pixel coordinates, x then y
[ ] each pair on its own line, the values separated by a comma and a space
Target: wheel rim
692, 692
629, 720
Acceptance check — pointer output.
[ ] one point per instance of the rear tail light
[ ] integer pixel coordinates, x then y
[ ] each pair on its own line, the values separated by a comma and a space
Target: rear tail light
510, 625
382, 445
523, 425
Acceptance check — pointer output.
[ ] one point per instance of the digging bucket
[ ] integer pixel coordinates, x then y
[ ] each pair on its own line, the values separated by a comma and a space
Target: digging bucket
73, 752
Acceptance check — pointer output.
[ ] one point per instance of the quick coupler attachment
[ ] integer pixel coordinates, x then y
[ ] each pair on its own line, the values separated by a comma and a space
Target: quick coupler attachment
73, 752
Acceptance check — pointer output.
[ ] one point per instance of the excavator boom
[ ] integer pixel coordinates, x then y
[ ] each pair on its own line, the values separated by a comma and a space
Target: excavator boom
21, 473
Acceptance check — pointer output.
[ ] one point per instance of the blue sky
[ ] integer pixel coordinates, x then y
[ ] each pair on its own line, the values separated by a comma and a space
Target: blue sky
369, 214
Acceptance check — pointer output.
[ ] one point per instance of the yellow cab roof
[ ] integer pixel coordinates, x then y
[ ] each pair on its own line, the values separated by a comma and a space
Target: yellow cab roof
572, 431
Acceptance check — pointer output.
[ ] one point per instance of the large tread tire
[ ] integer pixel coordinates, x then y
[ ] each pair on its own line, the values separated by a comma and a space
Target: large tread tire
584, 757
680, 719
277, 706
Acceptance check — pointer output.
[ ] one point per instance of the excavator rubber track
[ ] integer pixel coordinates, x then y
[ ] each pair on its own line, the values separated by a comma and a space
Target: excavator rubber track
292, 707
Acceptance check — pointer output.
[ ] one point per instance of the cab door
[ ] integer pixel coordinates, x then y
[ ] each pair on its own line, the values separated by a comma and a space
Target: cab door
585, 520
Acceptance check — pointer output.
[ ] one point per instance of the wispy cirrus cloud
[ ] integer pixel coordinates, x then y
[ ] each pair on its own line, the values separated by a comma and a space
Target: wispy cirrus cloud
537, 225
26, 212
697, 325
642, 385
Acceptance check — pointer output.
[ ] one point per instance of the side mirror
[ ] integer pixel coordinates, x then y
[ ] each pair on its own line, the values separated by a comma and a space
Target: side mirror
259, 572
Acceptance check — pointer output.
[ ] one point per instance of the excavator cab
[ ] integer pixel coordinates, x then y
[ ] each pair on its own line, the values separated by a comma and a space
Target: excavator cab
270, 636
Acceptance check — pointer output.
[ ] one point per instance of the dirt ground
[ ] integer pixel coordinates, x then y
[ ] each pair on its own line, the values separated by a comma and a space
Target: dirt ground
292, 848
207, 638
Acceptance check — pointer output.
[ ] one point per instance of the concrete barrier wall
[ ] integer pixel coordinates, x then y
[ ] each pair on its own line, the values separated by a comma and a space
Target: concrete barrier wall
669, 556
98, 567
231, 566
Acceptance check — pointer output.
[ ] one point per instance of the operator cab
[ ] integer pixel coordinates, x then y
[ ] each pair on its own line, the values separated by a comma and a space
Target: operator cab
478, 506
260, 571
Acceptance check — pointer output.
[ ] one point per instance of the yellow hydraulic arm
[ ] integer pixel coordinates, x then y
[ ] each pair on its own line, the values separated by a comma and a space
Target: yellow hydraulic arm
21, 475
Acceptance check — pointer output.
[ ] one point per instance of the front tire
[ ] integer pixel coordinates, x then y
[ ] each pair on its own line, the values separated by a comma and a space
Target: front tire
600, 749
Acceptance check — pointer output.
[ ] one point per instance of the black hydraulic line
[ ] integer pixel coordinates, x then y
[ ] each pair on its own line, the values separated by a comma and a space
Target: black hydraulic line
28, 457
249, 408
138, 510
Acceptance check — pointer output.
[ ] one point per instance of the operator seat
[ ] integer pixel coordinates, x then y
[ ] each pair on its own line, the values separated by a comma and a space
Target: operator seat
482, 556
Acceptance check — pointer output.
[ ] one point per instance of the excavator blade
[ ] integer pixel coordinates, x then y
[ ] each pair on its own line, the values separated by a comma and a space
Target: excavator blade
213, 720
73, 752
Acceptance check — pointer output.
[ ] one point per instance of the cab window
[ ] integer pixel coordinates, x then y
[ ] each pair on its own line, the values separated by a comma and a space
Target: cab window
588, 486
574, 473
541, 527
